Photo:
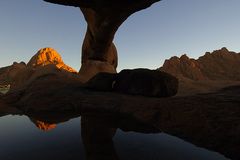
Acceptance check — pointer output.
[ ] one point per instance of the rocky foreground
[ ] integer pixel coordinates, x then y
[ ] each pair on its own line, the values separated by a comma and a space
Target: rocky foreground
210, 120
207, 120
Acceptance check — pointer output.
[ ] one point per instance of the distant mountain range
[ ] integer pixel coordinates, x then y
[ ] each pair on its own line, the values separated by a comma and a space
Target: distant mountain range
219, 65
210, 72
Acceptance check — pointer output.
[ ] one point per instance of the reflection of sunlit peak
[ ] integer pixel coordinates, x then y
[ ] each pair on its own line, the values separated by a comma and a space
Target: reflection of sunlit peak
44, 126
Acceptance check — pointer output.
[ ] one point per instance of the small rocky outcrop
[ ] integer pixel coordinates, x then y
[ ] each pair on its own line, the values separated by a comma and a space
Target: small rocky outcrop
46, 56
183, 66
7, 74
218, 65
146, 82
103, 18
27, 76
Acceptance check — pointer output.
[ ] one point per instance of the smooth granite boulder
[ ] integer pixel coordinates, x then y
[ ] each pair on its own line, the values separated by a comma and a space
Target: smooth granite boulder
146, 82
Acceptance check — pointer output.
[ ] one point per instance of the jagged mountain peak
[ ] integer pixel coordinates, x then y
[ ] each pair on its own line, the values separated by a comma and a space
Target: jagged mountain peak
220, 64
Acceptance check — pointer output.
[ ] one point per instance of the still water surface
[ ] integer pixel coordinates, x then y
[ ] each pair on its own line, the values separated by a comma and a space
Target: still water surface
21, 139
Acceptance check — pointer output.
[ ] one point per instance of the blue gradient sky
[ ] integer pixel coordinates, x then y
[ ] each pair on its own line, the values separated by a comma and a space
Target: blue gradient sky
146, 39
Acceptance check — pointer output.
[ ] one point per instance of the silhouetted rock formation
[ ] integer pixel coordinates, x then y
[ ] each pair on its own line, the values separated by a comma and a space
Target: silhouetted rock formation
102, 81
46, 56
146, 82
28, 75
8, 74
99, 54
137, 82
218, 65
97, 138
99, 130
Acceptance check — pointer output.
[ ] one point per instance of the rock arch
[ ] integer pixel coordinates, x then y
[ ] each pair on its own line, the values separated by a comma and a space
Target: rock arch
103, 17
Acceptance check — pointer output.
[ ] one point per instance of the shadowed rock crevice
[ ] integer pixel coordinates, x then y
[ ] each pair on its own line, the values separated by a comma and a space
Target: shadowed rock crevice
103, 18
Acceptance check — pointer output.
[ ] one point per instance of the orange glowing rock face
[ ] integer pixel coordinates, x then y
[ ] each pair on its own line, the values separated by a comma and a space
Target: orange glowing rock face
46, 56
44, 126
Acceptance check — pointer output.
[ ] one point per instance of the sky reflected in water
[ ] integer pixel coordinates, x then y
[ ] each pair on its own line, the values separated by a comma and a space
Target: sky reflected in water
21, 139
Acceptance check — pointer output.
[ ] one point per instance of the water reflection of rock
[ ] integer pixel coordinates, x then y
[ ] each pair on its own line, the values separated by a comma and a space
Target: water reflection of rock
43, 125
98, 132
48, 120
209, 120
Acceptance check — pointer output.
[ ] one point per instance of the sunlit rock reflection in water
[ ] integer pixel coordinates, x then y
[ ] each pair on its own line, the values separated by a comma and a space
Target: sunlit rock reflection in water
91, 137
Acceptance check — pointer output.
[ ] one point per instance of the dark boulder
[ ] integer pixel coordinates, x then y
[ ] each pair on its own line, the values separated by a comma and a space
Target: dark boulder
102, 81
146, 82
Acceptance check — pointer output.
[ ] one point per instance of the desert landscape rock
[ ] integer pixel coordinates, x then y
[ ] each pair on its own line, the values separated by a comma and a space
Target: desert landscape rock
146, 82
27, 76
8, 74
208, 73
103, 20
46, 56
44, 63
218, 65
207, 120
47, 85
102, 81
136, 82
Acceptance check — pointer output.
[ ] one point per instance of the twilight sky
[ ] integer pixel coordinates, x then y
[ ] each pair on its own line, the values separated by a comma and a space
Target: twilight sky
146, 39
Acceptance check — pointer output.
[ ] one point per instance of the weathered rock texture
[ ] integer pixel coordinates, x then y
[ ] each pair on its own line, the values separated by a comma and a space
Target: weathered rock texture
46, 56
218, 65
99, 54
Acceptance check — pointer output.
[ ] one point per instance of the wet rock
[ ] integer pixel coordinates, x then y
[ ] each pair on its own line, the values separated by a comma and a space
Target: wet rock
146, 82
